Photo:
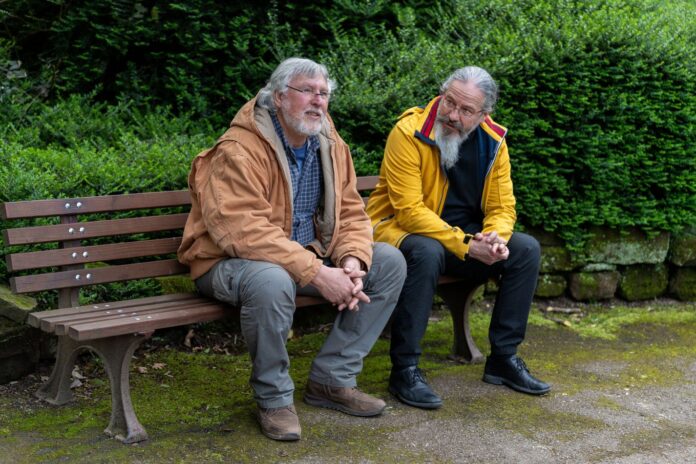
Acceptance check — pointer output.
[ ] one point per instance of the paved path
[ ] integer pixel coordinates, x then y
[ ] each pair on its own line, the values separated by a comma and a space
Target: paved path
630, 400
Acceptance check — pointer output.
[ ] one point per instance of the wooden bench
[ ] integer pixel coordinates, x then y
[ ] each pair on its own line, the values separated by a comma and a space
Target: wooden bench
138, 248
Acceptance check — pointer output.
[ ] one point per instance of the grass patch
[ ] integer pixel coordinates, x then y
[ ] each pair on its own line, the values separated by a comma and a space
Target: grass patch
198, 407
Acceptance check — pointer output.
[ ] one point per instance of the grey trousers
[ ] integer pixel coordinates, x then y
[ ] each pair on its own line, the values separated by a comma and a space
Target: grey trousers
265, 294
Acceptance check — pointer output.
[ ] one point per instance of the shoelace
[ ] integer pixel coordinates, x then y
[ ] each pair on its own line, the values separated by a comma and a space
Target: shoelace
417, 376
520, 364
270, 412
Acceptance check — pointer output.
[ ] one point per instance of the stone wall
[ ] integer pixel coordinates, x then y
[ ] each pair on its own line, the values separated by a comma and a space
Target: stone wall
630, 266
19, 343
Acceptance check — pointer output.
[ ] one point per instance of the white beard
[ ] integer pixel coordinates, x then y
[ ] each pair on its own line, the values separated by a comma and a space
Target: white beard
308, 128
448, 145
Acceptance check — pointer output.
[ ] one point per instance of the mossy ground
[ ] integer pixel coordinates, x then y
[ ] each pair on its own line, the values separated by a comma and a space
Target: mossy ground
198, 407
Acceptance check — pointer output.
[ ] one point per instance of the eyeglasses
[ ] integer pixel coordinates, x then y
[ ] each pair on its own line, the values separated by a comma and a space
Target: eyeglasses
307, 92
449, 105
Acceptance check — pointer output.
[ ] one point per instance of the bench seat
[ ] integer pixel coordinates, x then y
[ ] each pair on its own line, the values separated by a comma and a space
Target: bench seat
102, 230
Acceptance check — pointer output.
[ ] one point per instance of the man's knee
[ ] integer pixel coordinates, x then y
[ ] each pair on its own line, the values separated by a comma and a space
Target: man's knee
525, 248
388, 265
389, 257
265, 285
423, 255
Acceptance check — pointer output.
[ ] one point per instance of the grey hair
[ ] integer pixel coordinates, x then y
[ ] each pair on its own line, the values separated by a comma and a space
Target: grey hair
285, 72
481, 79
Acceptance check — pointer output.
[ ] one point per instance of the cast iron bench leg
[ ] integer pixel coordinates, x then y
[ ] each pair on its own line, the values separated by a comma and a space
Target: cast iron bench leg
56, 390
116, 353
464, 347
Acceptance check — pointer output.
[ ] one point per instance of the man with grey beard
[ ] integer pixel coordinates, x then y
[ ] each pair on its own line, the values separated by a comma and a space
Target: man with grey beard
445, 199
275, 212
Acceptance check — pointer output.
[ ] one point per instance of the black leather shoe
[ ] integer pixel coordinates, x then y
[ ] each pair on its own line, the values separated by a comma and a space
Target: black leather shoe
409, 386
513, 372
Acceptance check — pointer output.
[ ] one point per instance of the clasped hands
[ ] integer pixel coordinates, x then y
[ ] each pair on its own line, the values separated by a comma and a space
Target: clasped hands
488, 248
342, 286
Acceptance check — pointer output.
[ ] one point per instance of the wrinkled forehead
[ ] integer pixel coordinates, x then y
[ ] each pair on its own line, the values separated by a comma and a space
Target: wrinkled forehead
465, 93
316, 80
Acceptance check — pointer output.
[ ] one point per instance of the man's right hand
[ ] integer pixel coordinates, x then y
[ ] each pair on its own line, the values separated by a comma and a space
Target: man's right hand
488, 248
338, 286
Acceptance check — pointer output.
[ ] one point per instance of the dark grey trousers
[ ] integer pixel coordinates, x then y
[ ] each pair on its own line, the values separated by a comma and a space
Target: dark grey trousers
265, 294
427, 259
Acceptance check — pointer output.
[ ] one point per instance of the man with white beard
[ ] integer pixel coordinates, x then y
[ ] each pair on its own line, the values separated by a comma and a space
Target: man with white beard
445, 199
275, 212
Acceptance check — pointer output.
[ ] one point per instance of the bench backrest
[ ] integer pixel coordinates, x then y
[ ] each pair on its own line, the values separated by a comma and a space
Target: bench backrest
138, 252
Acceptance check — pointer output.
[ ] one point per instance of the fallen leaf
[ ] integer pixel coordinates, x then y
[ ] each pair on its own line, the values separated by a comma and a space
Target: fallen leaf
142, 369
188, 337
159, 366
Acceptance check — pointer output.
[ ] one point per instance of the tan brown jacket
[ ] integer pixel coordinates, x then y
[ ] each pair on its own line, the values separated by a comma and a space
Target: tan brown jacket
241, 202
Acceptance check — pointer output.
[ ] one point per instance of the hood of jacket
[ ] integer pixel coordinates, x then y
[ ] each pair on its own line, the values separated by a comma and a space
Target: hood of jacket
242, 204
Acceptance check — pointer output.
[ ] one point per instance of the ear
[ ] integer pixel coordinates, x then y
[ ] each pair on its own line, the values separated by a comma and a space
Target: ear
277, 97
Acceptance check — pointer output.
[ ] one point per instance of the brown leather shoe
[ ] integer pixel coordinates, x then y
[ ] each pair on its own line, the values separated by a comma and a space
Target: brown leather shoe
345, 399
280, 423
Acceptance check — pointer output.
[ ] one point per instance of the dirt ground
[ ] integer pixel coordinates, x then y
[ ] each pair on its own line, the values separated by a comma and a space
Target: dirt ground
627, 399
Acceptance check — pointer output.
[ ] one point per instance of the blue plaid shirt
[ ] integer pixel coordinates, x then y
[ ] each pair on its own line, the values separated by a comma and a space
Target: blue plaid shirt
307, 186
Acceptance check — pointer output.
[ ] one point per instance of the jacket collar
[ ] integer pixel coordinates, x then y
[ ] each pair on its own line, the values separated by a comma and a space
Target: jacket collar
425, 129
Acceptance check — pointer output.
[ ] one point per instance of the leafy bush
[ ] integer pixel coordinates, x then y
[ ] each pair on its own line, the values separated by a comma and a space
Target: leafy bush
82, 148
599, 97
600, 105
79, 148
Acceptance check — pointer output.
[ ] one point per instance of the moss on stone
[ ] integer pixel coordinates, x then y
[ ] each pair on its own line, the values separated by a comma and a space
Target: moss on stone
15, 307
683, 284
593, 286
555, 259
682, 250
527, 416
607, 403
626, 247
643, 281
550, 285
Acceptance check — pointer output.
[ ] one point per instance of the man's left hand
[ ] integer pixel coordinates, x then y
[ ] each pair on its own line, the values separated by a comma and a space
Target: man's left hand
497, 246
352, 266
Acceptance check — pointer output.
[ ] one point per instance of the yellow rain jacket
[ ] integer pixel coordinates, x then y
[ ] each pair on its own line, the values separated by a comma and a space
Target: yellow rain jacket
412, 187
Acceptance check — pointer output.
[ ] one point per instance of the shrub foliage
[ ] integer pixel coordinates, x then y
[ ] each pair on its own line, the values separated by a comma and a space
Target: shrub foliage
599, 97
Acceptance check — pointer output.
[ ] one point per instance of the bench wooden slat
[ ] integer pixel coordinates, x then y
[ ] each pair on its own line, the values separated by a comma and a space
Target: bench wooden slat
47, 319
94, 253
302, 301
84, 230
367, 182
106, 203
67, 279
110, 328
136, 313
57, 321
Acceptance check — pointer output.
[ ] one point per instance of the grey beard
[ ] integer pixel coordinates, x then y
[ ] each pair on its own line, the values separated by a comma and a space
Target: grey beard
449, 146
301, 126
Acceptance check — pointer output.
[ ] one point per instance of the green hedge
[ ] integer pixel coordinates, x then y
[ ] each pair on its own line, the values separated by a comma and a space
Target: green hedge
79, 148
599, 97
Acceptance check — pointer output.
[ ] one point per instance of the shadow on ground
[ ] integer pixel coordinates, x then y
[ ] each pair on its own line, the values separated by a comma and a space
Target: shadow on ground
624, 391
